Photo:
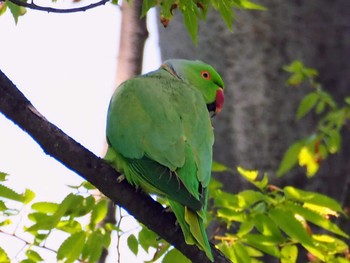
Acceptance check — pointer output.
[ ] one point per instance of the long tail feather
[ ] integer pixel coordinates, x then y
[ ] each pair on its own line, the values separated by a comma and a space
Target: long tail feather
192, 227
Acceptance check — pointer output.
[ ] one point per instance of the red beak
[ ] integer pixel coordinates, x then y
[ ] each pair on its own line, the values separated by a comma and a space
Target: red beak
219, 100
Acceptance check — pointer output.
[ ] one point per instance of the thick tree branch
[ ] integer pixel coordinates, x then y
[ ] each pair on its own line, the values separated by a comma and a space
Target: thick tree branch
33, 6
60, 146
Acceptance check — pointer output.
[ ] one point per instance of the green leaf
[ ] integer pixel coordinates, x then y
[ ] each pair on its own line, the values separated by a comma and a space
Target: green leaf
290, 158
94, 246
72, 247
252, 6
315, 218
147, 5
33, 255
312, 198
28, 196
333, 141
3, 176
45, 207
133, 244
190, 18
226, 12
267, 227
219, 167
69, 226
10, 194
99, 212
286, 221
147, 238
175, 256
16, 10
307, 103
267, 244
289, 254
240, 253
3, 256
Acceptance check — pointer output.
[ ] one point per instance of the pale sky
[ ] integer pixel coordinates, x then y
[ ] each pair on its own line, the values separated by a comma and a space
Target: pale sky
65, 64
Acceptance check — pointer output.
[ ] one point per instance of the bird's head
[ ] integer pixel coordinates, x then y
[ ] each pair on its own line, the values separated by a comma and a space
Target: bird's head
202, 76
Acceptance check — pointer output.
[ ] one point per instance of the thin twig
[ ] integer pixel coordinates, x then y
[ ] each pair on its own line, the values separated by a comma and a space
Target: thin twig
34, 6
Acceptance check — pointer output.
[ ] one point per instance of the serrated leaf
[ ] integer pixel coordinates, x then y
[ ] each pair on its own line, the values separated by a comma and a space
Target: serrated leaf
8, 193
69, 226
133, 244
306, 104
175, 256
72, 247
289, 254
3, 256
290, 158
312, 198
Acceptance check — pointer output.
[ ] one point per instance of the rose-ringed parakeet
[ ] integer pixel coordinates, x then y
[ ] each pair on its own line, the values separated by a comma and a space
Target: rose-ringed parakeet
160, 137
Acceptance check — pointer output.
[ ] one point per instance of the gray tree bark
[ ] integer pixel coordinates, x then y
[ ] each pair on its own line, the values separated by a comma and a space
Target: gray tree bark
258, 122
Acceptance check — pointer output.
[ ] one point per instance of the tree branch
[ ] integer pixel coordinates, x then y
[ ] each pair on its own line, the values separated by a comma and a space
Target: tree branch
16, 107
57, 10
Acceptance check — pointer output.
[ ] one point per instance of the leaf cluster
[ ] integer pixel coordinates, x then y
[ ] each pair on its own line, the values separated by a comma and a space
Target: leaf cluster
332, 120
194, 11
84, 241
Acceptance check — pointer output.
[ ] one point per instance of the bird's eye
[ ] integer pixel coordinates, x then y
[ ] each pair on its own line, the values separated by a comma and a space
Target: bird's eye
205, 75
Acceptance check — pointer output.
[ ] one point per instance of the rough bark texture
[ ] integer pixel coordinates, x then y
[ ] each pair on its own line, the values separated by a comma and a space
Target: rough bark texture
64, 149
258, 122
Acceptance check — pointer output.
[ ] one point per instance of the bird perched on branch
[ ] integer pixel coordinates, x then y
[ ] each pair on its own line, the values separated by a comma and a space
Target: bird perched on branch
160, 137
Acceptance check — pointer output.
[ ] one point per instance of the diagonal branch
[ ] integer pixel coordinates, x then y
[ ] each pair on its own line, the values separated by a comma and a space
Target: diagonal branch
34, 6
16, 107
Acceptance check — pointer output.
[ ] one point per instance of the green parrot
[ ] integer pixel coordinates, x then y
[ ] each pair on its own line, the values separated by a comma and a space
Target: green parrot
160, 137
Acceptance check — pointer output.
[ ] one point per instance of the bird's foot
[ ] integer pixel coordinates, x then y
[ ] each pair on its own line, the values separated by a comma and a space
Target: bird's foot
120, 178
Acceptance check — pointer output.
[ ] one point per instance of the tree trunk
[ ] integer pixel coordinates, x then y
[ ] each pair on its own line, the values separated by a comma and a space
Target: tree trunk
258, 120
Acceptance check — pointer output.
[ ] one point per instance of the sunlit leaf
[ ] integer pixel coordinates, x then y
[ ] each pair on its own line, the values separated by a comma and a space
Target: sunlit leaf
307, 159
312, 198
289, 254
315, 218
10, 194
219, 167
33, 255
93, 247
251, 175
3, 176
99, 212
4, 258
45, 207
